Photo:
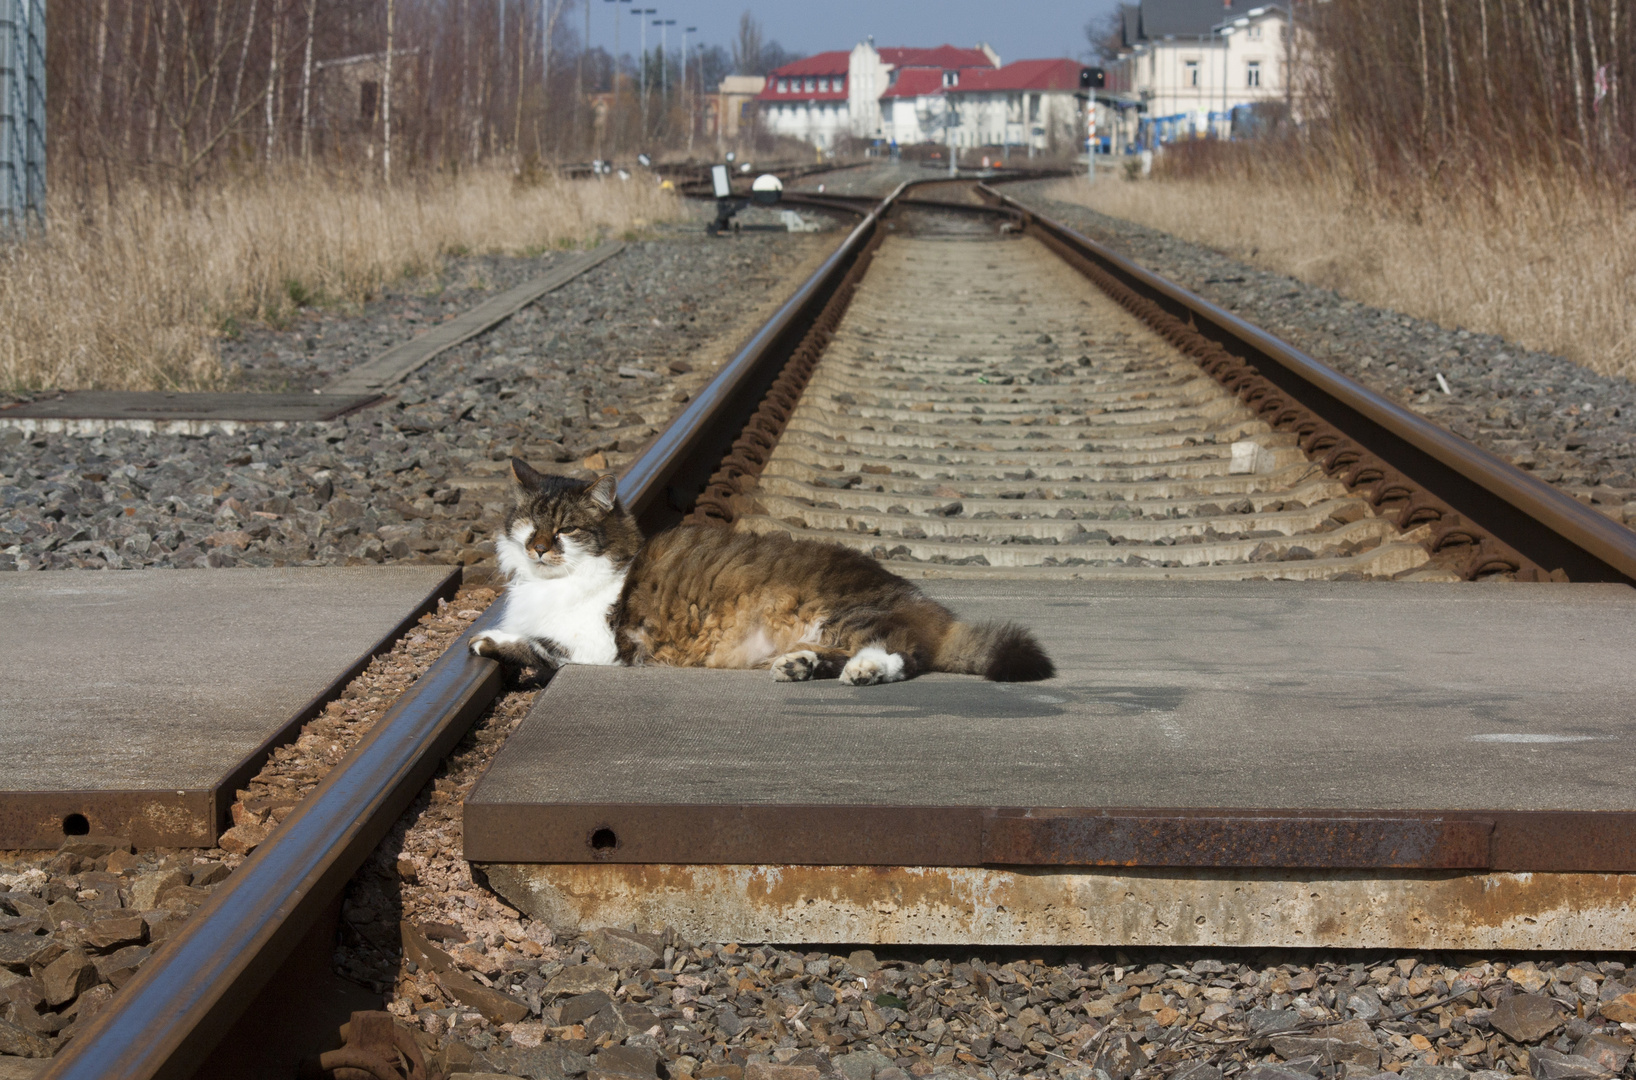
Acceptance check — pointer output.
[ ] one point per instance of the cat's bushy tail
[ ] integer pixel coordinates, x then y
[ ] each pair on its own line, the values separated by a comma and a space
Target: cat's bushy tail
1001, 651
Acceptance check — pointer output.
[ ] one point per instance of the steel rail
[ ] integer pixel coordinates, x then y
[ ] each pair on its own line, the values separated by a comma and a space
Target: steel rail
661, 485
169, 1018
1547, 526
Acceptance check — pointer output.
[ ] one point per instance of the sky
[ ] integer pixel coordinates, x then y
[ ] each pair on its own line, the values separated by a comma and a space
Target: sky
1017, 29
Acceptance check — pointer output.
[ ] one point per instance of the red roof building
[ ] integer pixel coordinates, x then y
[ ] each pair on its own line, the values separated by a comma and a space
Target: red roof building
816, 78
915, 82
911, 95
1023, 75
943, 56
1030, 104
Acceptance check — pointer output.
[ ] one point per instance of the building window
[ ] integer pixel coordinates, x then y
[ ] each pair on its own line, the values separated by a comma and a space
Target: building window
783, 86
823, 86
369, 96
840, 85
1255, 33
1192, 72
811, 86
951, 78
1252, 73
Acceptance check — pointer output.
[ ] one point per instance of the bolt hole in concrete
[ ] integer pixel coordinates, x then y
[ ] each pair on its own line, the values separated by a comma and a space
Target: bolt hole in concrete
604, 840
75, 825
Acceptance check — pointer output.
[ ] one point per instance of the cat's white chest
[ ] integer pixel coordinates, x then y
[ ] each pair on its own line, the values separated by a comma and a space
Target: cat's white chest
571, 611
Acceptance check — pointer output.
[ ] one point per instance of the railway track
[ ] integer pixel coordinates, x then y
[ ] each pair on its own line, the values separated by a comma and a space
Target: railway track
949, 392
980, 412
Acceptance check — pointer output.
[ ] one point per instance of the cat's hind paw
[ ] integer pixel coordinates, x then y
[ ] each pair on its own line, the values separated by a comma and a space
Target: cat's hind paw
485, 645
873, 666
796, 666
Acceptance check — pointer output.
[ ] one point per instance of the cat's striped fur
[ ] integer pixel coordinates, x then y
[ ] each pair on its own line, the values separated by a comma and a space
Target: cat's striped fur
584, 587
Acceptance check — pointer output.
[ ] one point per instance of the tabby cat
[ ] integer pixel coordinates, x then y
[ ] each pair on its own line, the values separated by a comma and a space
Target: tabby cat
583, 587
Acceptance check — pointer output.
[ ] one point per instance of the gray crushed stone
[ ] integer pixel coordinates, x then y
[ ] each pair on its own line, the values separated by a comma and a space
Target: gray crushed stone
1566, 424
421, 929
594, 368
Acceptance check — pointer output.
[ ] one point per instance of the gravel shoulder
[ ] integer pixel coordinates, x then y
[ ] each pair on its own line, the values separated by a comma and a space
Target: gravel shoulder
1567, 425
580, 379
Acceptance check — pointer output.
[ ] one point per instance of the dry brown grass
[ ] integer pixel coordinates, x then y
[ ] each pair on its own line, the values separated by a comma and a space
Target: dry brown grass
1551, 266
133, 295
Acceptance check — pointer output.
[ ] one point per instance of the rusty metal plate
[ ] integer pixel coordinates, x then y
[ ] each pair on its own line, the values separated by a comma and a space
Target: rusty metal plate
1315, 841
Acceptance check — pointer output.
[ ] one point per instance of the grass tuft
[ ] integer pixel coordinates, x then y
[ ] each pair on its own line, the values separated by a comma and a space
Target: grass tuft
132, 295
1548, 262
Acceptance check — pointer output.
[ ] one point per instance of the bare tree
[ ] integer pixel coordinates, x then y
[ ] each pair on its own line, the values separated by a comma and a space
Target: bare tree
1106, 35
272, 80
748, 47
386, 96
306, 86
244, 57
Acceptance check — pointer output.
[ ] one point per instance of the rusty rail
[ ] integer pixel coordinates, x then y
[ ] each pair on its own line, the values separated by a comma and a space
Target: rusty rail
676, 467
1490, 513
170, 1018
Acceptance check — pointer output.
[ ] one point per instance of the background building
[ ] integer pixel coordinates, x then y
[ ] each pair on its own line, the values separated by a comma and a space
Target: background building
732, 109
1027, 103
1200, 66
907, 96
892, 94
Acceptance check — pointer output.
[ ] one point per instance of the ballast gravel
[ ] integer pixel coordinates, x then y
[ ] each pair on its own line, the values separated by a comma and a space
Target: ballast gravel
1566, 424
490, 991
578, 380
76, 924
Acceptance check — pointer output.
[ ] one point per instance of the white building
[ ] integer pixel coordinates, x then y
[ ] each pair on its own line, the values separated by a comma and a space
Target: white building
1197, 65
1027, 103
837, 94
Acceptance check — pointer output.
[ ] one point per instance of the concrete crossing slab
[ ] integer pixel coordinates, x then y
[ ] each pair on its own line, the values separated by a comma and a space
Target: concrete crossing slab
168, 412
134, 703
1340, 725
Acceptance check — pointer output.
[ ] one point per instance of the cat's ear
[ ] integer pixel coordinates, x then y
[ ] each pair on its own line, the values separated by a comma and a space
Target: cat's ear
524, 475
602, 492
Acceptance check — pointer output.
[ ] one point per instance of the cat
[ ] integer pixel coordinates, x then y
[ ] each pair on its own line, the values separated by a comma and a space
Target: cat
584, 587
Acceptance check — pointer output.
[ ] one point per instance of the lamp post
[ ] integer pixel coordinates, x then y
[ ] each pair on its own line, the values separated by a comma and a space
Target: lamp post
686, 30
643, 65
613, 82
664, 61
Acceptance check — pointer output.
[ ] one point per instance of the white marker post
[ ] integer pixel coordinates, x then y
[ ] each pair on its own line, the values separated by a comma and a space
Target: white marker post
1090, 139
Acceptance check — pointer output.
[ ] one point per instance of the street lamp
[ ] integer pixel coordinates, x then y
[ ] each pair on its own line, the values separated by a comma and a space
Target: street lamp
639, 13
686, 30
613, 77
664, 60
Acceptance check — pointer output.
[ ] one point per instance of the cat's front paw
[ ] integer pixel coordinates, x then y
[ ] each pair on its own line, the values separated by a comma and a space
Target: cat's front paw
488, 645
871, 667
796, 666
